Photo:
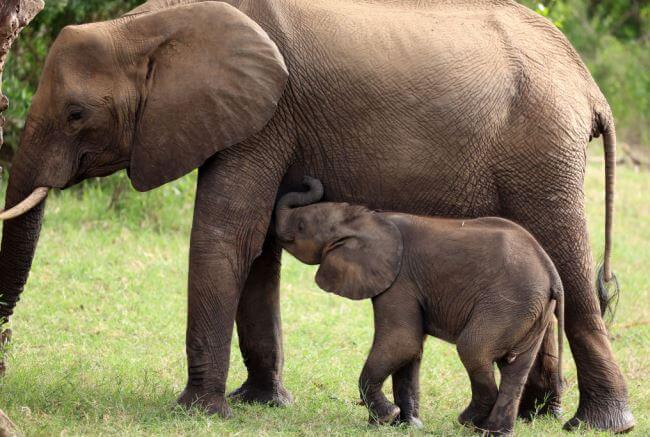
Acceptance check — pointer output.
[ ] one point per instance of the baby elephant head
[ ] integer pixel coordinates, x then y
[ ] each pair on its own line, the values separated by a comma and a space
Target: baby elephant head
360, 252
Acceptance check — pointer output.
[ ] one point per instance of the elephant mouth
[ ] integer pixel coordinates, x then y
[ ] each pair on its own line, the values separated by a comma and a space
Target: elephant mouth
283, 239
95, 172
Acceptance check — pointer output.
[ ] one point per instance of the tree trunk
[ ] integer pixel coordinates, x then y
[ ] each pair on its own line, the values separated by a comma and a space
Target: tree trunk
14, 16
7, 427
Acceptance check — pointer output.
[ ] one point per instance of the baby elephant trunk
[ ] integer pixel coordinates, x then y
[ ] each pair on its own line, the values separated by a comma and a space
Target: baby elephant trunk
296, 199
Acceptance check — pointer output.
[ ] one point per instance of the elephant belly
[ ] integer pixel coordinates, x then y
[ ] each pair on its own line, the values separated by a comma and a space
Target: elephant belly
399, 176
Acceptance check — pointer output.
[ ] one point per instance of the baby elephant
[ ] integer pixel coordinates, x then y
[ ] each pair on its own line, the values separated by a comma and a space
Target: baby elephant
484, 284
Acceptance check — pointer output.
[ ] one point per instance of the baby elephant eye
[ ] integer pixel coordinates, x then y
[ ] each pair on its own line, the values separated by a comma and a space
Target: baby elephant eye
301, 226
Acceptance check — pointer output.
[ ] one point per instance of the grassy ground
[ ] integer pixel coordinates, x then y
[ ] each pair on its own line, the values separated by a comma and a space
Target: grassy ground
99, 334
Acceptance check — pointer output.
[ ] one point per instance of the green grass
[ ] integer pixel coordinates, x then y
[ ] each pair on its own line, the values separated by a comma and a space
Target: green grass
99, 333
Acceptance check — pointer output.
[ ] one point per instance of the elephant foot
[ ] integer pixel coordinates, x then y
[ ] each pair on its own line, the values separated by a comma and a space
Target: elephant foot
495, 428
614, 417
384, 415
472, 417
209, 402
487, 432
410, 421
276, 395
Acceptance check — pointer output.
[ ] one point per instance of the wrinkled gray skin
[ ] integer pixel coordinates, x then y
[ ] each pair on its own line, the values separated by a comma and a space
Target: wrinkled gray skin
483, 284
462, 109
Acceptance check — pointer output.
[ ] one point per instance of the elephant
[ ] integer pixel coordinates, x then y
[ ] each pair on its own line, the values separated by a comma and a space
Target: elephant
459, 109
484, 284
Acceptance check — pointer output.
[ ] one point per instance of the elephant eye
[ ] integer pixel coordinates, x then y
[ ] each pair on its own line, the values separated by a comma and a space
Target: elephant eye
75, 114
301, 226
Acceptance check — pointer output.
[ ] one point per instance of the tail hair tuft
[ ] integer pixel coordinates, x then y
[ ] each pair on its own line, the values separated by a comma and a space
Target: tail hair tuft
608, 295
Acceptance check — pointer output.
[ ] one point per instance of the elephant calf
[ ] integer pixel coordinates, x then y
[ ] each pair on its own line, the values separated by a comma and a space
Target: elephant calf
484, 284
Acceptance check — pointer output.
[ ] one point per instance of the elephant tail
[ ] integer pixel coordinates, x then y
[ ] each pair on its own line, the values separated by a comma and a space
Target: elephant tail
558, 295
606, 278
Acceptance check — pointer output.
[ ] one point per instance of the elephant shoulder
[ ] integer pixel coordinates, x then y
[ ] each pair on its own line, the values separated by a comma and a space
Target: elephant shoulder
402, 221
421, 230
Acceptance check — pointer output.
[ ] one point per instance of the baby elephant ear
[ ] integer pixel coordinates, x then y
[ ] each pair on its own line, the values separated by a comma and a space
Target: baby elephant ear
366, 263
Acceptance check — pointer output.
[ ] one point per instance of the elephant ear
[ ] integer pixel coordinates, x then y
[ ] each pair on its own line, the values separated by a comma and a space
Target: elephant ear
366, 263
210, 77
156, 5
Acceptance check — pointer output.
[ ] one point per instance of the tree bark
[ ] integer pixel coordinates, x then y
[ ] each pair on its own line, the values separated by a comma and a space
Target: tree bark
7, 427
14, 16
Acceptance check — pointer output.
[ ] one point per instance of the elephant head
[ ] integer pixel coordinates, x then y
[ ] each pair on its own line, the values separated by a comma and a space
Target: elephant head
359, 251
156, 93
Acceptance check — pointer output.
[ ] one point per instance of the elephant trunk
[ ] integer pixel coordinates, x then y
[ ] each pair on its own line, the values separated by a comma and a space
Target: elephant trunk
19, 238
296, 199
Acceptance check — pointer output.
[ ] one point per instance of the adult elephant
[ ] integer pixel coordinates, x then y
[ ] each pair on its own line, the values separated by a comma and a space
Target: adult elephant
462, 109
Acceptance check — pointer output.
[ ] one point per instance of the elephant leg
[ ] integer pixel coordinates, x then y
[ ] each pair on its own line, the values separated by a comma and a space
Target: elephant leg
260, 331
603, 392
513, 378
554, 214
397, 343
234, 203
480, 369
406, 393
386, 357
543, 381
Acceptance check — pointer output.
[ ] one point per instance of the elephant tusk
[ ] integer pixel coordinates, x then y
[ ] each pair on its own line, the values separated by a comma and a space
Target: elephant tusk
31, 201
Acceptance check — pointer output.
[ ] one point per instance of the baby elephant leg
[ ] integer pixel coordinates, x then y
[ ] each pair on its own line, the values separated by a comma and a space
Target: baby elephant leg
513, 378
386, 357
394, 346
373, 375
406, 392
480, 369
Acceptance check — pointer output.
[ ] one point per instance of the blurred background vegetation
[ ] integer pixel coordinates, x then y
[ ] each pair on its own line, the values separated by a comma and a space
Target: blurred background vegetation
611, 35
